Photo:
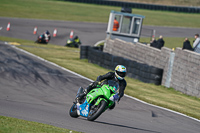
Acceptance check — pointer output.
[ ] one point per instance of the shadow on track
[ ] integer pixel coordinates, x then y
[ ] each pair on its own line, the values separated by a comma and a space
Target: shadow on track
18, 67
119, 125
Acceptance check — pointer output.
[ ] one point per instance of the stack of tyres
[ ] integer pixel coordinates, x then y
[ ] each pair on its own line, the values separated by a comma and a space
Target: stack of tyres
107, 61
90, 53
120, 61
145, 73
95, 55
141, 5
84, 52
126, 63
99, 57
151, 74
131, 69
135, 74
136, 70
92, 58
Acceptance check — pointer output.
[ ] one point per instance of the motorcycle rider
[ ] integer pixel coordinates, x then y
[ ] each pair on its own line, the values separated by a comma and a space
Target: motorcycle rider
73, 42
48, 35
77, 41
45, 37
117, 76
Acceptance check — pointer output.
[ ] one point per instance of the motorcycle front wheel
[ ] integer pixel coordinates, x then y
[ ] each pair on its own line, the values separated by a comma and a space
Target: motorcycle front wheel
73, 111
96, 111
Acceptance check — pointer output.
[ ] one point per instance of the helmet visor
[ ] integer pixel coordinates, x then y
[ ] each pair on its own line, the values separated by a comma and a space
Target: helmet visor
121, 74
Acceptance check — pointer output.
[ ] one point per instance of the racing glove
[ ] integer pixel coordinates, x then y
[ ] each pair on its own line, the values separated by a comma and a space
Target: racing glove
114, 97
95, 83
91, 86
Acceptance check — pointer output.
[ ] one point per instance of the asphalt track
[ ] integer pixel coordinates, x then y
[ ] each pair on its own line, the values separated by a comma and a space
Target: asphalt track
36, 90
89, 33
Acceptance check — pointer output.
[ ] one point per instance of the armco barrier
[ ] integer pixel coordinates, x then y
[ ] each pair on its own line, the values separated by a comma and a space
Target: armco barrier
141, 5
136, 70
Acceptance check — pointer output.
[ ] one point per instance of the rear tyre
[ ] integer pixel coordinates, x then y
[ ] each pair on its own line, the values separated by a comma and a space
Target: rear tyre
73, 111
96, 111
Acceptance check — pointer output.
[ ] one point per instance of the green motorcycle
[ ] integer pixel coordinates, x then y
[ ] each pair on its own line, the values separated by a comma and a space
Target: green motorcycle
95, 102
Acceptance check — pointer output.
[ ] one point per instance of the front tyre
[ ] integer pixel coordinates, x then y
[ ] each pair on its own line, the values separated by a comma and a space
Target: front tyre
73, 111
96, 111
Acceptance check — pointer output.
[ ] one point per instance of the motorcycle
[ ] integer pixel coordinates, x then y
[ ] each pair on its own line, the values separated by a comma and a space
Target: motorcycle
95, 102
73, 42
43, 39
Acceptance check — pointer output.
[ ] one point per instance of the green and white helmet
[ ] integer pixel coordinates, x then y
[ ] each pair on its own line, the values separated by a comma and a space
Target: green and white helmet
120, 72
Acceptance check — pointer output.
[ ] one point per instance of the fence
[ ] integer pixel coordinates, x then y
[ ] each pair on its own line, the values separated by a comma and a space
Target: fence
142, 5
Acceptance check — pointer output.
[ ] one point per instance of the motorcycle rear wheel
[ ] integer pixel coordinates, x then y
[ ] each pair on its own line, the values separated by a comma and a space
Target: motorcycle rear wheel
73, 111
96, 111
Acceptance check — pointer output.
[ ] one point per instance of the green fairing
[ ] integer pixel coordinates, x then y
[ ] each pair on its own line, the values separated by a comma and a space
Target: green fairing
99, 94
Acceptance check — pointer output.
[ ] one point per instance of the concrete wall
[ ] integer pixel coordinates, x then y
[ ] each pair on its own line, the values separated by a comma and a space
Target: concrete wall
185, 75
186, 72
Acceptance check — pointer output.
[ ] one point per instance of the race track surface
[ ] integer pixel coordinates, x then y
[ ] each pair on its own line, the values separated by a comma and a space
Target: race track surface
36, 90
89, 33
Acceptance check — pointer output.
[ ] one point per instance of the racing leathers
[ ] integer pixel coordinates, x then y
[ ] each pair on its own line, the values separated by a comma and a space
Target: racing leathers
110, 76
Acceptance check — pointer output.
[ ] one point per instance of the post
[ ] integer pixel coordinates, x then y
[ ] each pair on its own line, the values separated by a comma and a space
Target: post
170, 68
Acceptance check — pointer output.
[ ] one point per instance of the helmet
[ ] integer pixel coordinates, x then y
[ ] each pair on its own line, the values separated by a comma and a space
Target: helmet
47, 32
76, 37
120, 72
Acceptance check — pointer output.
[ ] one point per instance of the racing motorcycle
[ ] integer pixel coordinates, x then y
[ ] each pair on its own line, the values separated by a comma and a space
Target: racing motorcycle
44, 39
95, 102
73, 42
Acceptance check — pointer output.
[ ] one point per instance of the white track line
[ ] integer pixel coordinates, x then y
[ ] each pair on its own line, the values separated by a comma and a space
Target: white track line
96, 44
92, 81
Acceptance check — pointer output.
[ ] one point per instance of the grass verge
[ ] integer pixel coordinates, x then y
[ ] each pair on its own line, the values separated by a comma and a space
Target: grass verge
158, 95
13, 125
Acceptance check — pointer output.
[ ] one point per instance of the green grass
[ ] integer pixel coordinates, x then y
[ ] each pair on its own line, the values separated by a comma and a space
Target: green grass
63, 10
158, 95
13, 125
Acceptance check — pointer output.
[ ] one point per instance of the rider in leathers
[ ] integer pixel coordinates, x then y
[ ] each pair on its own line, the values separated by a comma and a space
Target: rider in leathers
118, 76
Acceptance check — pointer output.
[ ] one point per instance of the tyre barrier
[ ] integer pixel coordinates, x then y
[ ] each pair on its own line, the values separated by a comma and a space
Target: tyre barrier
106, 60
84, 52
136, 70
185, 9
150, 69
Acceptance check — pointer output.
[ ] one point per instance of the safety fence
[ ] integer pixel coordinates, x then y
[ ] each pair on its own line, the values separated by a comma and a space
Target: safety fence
141, 5
136, 70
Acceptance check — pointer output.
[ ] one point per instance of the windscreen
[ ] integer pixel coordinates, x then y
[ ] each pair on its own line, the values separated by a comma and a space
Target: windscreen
114, 84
